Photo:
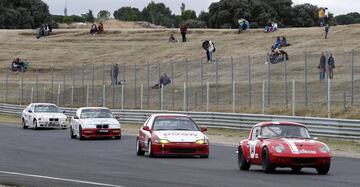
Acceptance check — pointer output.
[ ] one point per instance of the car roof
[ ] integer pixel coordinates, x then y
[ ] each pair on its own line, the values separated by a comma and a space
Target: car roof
267, 123
84, 108
170, 115
43, 104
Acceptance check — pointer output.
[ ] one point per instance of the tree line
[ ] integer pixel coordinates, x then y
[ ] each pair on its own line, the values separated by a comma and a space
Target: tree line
24, 14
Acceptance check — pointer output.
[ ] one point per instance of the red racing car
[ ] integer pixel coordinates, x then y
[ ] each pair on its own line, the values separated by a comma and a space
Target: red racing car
283, 144
171, 134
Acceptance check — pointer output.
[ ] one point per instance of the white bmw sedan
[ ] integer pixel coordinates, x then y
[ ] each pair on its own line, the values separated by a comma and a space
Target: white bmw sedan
93, 122
43, 115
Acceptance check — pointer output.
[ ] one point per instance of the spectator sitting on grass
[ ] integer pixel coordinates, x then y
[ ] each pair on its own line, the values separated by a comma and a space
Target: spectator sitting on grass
164, 80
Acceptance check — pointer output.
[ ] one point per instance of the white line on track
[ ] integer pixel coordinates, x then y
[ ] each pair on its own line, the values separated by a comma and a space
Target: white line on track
59, 179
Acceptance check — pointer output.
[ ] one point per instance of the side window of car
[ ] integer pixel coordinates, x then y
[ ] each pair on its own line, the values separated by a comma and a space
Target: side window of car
255, 133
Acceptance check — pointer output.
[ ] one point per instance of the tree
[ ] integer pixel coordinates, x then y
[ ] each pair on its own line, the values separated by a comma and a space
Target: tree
89, 16
305, 15
127, 14
204, 17
103, 15
23, 14
157, 13
188, 14
350, 18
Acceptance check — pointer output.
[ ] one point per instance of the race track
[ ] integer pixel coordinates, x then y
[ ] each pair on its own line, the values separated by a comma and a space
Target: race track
51, 158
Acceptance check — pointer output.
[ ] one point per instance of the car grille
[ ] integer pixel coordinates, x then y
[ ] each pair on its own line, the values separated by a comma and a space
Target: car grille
182, 150
102, 126
53, 119
304, 160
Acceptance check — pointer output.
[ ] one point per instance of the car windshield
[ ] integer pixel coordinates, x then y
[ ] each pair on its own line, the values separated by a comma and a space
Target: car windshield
46, 109
174, 123
284, 131
96, 113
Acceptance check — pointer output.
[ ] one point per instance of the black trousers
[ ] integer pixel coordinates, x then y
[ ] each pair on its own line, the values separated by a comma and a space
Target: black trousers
183, 34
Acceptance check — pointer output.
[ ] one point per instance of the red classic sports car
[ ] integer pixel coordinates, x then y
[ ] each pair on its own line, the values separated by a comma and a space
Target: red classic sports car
283, 144
171, 134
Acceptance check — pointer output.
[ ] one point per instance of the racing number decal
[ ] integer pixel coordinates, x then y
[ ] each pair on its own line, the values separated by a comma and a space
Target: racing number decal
252, 149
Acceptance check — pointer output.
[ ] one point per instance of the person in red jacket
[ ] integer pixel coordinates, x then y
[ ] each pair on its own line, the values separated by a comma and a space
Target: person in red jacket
183, 30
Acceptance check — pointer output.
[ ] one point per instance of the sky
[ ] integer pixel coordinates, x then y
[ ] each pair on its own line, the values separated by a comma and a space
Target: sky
82, 6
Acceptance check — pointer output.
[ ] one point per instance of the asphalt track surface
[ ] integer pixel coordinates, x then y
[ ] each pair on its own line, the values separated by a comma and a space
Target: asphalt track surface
51, 158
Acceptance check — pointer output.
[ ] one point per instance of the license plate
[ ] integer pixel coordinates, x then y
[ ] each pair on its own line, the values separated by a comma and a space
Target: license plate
103, 130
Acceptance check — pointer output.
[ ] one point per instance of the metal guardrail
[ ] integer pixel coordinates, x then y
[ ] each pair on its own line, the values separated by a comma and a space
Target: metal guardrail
322, 127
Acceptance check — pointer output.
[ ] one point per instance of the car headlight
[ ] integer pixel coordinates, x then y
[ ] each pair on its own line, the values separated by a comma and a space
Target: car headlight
324, 149
279, 149
162, 141
200, 141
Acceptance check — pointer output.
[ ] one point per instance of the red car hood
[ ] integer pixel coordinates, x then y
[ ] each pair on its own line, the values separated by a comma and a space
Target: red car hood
296, 145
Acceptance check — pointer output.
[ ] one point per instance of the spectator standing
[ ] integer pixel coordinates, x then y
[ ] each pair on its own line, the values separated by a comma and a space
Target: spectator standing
331, 66
322, 66
183, 30
326, 28
209, 47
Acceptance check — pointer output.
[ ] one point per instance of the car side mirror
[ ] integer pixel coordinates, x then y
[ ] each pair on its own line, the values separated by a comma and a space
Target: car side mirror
63, 112
314, 138
203, 129
146, 128
117, 117
30, 111
76, 117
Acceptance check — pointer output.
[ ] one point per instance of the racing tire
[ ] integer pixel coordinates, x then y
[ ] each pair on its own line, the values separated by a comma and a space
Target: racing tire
72, 136
35, 124
265, 161
139, 151
81, 137
149, 149
323, 170
296, 170
24, 124
242, 162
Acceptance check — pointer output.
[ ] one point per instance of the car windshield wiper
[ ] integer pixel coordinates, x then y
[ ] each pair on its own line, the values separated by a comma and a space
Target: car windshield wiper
182, 129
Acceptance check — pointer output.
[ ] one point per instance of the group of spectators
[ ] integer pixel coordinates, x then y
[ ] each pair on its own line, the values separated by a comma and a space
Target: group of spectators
271, 27
44, 30
97, 29
326, 64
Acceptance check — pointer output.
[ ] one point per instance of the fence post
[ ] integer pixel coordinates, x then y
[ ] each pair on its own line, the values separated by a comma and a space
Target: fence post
72, 96
44, 95
122, 97
83, 83
173, 99
217, 83
135, 84
185, 101
6, 85
52, 83
234, 97
93, 84
37, 83
32, 94
201, 83
352, 76
268, 84
72, 85
187, 84
113, 86
285, 84
207, 96
162, 97
22, 87
159, 84
87, 95
249, 80
263, 98
58, 95
104, 95
64, 88
293, 97
141, 96
148, 86
103, 82
329, 97
306, 79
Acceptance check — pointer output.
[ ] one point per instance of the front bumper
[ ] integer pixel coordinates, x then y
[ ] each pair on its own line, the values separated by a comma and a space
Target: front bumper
92, 133
55, 125
300, 161
180, 149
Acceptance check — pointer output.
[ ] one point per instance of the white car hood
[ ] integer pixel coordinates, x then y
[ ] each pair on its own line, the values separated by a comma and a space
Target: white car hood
113, 123
50, 115
180, 136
